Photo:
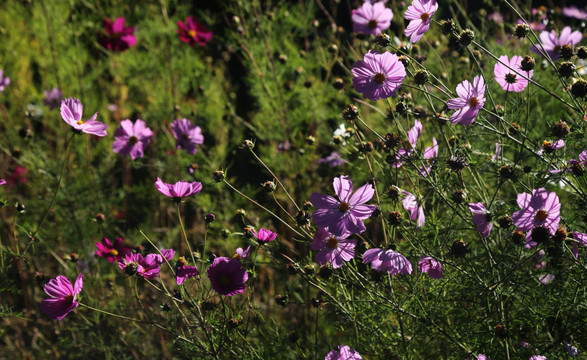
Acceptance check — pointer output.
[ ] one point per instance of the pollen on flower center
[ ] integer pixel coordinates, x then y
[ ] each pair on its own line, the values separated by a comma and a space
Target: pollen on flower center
113, 252
133, 140
80, 122
473, 102
332, 242
192, 33
541, 215
344, 207
546, 144
379, 78
510, 78
425, 16
372, 24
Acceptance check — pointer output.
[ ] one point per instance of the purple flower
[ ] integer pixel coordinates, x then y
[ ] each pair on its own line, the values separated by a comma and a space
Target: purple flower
431, 266
132, 139
581, 239
168, 254
4, 81
343, 216
471, 99
575, 12
430, 153
387, 260
71, 112
537, 357
410, 203
510, 75
420, 14
227, 276
497, 152
116, 36
553, 44
2, 182
378, 76
187, 135
332, 160
53, 98
371, 18
242, 254
264, 235
549, 146
541, 209
62, 296
185, 271
179, 189
332, 249
481, 218
112, 251
344, 352
147, 267
408, 150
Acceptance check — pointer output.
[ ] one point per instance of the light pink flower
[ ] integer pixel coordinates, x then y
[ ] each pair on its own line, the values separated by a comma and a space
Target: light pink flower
552, 44
510, 75
371, 18
387, 260
548, 146
471, 99
420, 14
431, 266
378, 76
132, 139
481, 218
410, 203
178, 190
71, 112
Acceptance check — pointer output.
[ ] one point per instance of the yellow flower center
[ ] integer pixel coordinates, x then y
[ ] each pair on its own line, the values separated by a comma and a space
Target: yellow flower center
113, 252
192, 33
80, 122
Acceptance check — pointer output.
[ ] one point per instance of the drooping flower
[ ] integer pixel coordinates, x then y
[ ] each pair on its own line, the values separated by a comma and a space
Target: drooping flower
408, 150
343, 216
430, 153
241, 253
510, 75
264, 235
193, 32
378, 76
112, 251
132, 139
53, 98
497, 152
187, 136
410, 203
581, 238
420, 14
62, 296
471, 99
2, 182
184, 271
481, 218
575, 12
371, 18
431, 266
548, 146
168, 254
332, 249
178, 190
71, 112
387, 260
344, 352
227, 276
332, 160
540, 209
4, 81
553, 44
147, 267
116, 36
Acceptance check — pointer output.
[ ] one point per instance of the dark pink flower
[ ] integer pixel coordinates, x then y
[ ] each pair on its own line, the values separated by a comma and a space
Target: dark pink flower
53, 98
344, 352
510, 75
193, 32
378, 76
4, 81
19, 176
481, 218
387, 260
552, 44
540, 209
343, 216
184, 272
116, 36
187, 136
410, 203
178, 190
71, 112
2, 182
471, 99
264, 235
332, 249
420, 14
431, 266
147, 267
371, 18
132, 139
62, 296
227, 276
112, 251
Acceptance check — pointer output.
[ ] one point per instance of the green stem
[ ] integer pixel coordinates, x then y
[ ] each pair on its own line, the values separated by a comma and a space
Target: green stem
185, 236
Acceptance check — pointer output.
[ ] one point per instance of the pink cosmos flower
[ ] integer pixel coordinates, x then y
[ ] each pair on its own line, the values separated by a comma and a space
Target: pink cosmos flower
168, 254
112, 251
4, 81
497, 152
178, 190
510, 75
410, 203
371, 18
408, 150
581, 238
71, 112
332, 249
2, 182
420, 14
264, 235
343, 216
471, 99
62, 296
541, 209
431, 266
147, 267
548, 146
344, 352
430, 153
240, 254
227, 276
53, 98
187, 136
116, 36
553, 44
481, 218
193, 32
132, 139
378, 76
575, 12
387, 260
184, 272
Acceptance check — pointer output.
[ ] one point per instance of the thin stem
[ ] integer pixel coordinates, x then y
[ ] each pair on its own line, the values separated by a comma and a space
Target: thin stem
276, 179
185, 236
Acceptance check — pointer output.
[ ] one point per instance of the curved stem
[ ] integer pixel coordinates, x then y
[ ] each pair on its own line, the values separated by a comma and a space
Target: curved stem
185, 236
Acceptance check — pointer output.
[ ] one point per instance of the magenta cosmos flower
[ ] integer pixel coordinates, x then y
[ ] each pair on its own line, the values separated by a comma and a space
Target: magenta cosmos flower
481, 218
187, 136
387, 260
178, 190
540, 209
332, 249
410, 203
344, 352
116, 36
471, 99
147, 267
241, 254
378, 76
227, 276
343, 216
431, 266
62, 296
510, 75
553, 44
53, 98
193, 32
420, 14
264, 235
71, 112
184, 271
4, 81
132, 139
2, 182
112, 251
371, 18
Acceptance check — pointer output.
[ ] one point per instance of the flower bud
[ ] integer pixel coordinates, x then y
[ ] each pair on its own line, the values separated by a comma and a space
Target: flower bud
218, 175
210, 218
394, 217
383, 40
332, 48
579, 88
505, 221
421, 77
560, 129
566, 51
500, 331
466, 37
351, 112
459, 196
521, 31
528, 63
566, 69
457, 163
247, 145
458, 248
447, 27
338, 83
582, 52
506, 172
99, 218
269, 186
282, 58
